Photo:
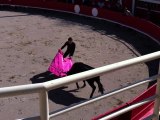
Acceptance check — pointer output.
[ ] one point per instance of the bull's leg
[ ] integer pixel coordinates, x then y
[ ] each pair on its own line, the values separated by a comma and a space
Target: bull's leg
77, 85
84, 84
93, 89
100, 86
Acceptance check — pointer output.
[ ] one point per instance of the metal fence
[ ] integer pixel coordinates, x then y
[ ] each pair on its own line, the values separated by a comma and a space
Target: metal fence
43, 88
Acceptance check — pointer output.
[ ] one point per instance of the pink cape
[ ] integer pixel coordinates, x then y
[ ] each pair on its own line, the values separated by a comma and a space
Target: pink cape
59, 65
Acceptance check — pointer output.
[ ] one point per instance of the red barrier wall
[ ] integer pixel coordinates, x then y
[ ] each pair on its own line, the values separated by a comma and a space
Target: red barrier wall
137, 113
138, 24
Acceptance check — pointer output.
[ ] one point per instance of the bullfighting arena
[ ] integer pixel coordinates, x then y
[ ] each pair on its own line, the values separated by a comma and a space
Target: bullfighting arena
29, 42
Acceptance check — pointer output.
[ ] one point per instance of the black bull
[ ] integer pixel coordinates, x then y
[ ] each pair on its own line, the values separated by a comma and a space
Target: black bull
81, 67
76, 68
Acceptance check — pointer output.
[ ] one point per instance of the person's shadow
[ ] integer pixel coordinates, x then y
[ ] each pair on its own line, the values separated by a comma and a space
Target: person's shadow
59, 95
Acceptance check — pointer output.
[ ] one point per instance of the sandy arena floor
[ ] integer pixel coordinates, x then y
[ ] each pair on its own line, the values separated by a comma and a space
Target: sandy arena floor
29, 41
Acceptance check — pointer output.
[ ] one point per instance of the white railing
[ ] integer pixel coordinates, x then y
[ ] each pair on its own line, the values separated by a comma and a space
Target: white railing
43, 88
112, 93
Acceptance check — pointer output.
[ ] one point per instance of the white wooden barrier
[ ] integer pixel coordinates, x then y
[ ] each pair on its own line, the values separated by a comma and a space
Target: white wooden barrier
43, 88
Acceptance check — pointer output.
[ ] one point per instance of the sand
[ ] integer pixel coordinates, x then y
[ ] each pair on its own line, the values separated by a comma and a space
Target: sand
30, 40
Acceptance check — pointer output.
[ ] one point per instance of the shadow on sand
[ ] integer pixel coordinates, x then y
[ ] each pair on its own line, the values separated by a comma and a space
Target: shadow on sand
58, 96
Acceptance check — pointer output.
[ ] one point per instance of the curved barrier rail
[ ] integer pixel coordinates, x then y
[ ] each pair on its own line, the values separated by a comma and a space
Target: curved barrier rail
112, 93
140, 25
43, 88
136, 109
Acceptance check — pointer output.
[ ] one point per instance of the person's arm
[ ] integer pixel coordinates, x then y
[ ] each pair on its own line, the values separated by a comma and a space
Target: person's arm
64, 45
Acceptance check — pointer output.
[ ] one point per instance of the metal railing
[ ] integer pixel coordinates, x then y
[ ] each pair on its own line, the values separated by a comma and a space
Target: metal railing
43, 88
112, 93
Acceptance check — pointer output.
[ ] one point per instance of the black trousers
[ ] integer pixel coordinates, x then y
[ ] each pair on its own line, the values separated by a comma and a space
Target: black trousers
67, 53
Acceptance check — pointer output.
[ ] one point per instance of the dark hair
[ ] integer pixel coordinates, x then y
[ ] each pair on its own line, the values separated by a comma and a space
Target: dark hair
69, 39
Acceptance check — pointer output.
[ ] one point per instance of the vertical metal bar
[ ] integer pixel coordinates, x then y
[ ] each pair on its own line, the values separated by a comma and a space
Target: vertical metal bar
133, 6
120, 2
157, 100
44, 106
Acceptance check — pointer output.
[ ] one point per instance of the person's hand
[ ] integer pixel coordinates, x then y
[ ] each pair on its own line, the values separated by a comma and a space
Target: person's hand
59, 50
70, 57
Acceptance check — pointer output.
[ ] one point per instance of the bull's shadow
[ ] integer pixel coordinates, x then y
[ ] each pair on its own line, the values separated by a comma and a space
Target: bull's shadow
59, 95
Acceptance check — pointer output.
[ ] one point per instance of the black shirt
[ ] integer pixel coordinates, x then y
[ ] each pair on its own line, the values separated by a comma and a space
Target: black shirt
70, 47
